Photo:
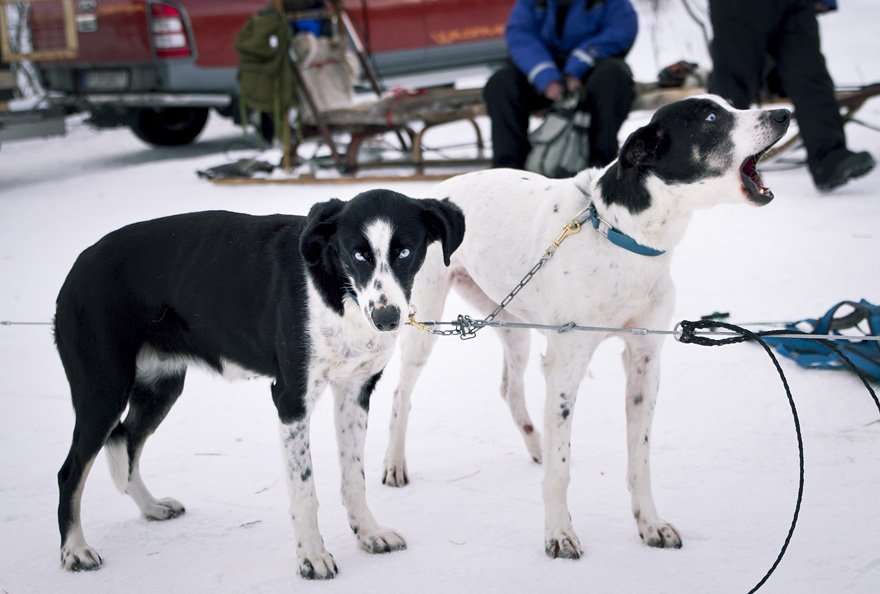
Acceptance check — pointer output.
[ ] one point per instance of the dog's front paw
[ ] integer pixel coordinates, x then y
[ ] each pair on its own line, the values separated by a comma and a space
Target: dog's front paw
563, 543
382, 540
164, 509
659, 534
395, 475
80, 557
320, 566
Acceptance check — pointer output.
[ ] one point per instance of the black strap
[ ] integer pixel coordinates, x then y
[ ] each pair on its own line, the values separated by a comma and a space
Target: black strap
689, 336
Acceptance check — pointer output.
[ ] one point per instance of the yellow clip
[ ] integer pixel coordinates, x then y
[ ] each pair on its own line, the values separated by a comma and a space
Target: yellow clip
570, 229
412, 321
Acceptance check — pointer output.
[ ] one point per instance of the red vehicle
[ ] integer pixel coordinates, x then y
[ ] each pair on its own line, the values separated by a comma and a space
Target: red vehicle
160, 66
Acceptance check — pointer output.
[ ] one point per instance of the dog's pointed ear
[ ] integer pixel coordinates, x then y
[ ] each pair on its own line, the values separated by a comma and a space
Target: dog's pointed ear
643, 147
320, 225
445, 223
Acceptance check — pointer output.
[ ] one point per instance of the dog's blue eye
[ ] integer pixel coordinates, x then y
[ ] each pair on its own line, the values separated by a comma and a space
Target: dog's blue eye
404, 253
711, 117
360, 257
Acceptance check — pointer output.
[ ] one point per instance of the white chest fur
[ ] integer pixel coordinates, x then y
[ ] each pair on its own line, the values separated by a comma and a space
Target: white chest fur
344, 349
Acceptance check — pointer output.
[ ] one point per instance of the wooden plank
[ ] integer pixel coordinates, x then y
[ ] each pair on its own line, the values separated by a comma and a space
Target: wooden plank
311, 180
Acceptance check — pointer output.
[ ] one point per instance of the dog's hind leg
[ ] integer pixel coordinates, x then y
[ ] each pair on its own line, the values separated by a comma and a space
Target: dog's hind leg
641, 361
149, 402
429, 297
516, 356
97, 409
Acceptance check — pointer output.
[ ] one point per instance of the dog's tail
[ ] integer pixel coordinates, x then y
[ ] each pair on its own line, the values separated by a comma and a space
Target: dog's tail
118, 457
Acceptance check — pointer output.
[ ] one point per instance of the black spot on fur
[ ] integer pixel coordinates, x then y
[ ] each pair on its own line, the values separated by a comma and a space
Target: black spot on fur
367, 391
305, 474
637, 399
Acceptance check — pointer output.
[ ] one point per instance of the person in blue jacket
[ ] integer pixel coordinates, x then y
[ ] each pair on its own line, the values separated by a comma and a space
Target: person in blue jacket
559, 46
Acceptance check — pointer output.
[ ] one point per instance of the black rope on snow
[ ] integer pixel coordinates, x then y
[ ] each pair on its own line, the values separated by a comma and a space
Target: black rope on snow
689, 336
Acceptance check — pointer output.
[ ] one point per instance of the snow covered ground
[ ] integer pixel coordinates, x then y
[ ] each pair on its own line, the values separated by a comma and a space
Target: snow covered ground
724, 451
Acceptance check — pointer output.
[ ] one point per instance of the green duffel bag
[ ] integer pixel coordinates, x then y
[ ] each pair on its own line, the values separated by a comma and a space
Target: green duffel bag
265, 77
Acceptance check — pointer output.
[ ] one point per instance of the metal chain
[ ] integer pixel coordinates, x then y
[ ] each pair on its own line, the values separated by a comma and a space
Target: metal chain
466, 327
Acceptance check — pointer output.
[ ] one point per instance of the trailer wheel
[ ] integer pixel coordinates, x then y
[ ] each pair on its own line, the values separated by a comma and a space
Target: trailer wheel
169, 126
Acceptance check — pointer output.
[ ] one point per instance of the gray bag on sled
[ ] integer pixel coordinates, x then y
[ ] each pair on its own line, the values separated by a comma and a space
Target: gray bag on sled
560, 145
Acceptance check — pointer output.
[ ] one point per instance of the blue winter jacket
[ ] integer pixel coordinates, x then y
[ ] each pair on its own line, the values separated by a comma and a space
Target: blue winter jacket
608, 29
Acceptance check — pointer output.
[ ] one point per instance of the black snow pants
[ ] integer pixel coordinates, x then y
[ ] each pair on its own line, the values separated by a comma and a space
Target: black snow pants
746, 31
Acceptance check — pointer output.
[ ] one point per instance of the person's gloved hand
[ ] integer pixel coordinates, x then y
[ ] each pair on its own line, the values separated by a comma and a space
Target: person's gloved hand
553, 92
572, 84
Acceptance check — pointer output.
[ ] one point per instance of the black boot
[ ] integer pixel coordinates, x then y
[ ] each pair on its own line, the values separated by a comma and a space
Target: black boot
836, 171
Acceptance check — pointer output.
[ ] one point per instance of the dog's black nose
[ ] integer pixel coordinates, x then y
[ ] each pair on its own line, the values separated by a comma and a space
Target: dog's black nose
386, 318
780, 116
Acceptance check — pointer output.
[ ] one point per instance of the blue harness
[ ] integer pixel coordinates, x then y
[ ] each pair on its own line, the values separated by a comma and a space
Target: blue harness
865, 356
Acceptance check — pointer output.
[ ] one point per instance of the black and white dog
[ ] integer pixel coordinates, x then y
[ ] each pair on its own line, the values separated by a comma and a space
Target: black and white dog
308, 301
693, 154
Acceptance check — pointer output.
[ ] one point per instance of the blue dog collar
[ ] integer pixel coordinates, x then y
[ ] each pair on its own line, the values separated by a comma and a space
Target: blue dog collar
615, 235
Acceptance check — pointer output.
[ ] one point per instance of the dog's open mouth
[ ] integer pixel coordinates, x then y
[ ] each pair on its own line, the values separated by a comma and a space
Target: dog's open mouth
752, 184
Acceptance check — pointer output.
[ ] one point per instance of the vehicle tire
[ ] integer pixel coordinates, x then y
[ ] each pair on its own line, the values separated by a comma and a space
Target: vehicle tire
169, 126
